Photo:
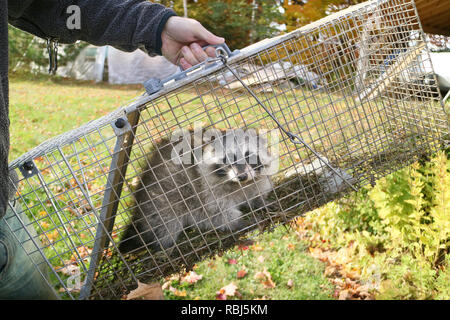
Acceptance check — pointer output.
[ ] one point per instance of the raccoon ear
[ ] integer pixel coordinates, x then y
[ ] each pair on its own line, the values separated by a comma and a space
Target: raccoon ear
270, 165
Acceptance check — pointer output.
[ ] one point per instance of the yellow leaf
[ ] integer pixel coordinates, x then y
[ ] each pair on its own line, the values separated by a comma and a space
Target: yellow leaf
45, 225
177, 292
256, 247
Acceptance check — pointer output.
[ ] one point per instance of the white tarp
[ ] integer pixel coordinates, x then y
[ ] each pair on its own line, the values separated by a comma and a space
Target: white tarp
441, 65
83, 68
136, 67
123, 67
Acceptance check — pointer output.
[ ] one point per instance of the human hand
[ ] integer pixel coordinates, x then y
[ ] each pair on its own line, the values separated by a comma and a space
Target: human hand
183, 39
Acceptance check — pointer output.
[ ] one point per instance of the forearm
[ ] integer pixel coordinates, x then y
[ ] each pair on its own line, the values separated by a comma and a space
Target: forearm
125, 24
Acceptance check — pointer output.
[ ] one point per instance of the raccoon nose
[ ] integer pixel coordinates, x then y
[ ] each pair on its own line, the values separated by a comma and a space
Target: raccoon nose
243, 177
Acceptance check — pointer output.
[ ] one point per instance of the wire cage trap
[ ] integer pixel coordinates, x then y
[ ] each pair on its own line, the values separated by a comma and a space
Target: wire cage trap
242, 142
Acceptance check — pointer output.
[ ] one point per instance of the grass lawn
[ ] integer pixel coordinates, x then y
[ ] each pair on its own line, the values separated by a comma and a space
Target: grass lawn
42, 109
276, 266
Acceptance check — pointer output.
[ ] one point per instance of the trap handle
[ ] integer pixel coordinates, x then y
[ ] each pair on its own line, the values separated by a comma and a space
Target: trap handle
153, 85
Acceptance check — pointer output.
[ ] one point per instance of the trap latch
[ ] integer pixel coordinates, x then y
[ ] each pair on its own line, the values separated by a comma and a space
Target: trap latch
153, 85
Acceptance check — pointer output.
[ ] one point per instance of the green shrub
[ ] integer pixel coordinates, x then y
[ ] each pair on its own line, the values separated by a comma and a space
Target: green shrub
358, 213
400, 230
27, 51
414, 205
407, 278
442, 283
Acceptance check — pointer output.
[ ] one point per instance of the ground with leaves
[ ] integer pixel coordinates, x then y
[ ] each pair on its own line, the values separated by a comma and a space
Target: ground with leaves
272, 266
387, 242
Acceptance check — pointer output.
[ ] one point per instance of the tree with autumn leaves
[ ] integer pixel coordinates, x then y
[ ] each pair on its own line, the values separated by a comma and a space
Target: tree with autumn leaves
243, 22
298, 13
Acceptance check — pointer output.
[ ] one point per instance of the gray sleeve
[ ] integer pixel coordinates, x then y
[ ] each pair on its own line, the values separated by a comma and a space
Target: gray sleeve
124, 24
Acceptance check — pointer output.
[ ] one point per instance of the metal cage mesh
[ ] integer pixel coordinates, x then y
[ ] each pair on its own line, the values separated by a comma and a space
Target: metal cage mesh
357, 87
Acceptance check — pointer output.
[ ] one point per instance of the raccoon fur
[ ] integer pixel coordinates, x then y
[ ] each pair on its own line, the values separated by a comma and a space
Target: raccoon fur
205, 190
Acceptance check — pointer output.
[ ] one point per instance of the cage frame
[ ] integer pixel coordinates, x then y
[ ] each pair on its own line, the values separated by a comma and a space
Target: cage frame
125, 119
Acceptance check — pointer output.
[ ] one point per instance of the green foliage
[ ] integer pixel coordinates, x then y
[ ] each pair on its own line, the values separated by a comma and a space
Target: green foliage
401, 229
236, 20
409, 278
442, 282
358, 213
26, 50
414, 206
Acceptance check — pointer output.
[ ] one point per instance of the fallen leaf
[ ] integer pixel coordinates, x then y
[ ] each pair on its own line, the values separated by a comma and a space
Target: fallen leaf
363, 291
318, 253
144, 291
230, 289
212, 265
69, 269
344, 295
354, 273
330, 271
45, 224
179, 293
221, 296
290, 283
227, 291
191, 277
241, 273
266, 278
83, 252
52, 236
166, 285
256, 247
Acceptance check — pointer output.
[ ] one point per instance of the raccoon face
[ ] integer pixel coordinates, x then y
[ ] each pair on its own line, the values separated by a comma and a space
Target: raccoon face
239, 159
238, 168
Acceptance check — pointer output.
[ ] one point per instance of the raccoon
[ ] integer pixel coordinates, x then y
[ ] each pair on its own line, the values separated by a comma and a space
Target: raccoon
206, 190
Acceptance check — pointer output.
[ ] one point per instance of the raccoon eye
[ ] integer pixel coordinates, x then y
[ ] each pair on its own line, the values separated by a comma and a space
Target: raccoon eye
220, 171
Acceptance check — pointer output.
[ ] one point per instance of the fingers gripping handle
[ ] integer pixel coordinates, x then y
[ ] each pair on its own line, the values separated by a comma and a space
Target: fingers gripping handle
153, 85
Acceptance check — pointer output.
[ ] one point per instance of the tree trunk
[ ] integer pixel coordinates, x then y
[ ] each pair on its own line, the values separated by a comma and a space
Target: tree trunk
185, 8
